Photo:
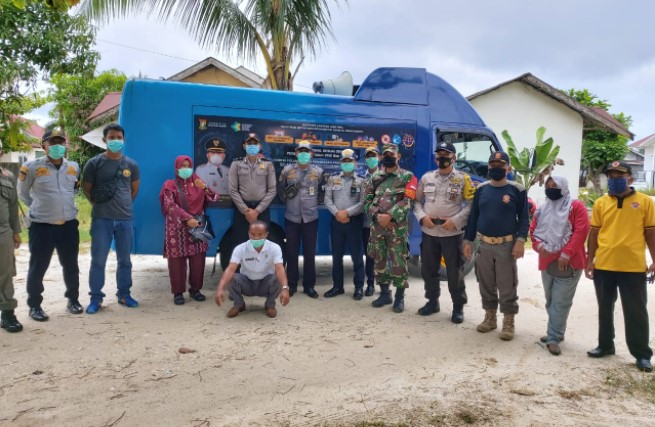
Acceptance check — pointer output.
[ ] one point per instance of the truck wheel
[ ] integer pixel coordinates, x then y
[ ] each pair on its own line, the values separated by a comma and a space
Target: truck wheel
226, 246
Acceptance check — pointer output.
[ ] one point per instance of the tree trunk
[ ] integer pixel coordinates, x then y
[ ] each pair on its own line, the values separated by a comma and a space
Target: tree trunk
594, 177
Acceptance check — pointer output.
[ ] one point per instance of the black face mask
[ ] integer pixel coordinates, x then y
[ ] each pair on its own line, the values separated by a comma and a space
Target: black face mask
388, 162
554, 193
444, 162
497, 174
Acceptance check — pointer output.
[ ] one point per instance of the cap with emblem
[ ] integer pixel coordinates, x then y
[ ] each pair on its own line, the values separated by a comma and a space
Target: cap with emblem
389, 147
347, 154
618, 166
370, 150
52, 134
251, 138
215, 145
445, 146
304, 144
499, 156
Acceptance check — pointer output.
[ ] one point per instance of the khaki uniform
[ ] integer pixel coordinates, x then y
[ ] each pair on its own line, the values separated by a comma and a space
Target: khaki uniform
9, 225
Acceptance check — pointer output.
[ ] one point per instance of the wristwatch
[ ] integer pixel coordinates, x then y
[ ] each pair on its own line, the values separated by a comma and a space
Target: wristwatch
285, 287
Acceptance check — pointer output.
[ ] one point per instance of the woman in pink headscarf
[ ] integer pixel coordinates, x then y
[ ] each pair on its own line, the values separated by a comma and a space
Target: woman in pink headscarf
179, 246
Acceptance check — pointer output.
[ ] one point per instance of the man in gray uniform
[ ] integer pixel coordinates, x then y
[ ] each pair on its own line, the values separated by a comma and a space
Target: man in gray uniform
443, 204
344, 199
9, 240
252, 188
214, 173
300, 183
47, 186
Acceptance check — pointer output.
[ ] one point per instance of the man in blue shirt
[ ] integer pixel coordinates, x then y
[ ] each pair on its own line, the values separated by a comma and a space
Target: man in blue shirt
500, 216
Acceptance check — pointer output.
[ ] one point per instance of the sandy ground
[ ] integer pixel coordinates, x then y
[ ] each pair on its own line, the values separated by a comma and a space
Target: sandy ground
320, 362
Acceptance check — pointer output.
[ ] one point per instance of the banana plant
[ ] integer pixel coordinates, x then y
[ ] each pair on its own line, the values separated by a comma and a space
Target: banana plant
531, 166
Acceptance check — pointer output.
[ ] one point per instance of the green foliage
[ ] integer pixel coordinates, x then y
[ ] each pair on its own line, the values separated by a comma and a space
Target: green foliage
588, 197
75, 97
532, 165
37, 40
278, 30
587, 98
83, 216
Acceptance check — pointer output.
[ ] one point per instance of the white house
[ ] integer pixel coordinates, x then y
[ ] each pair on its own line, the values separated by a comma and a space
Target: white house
35, 133
648, 146
524, 104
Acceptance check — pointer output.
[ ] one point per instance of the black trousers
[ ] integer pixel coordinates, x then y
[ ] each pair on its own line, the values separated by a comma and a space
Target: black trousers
432, 249
370, 272
307, 233
240, 224
632, 287
44, 239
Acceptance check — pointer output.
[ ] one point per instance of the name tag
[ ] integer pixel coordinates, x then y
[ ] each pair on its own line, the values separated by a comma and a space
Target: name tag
311, 191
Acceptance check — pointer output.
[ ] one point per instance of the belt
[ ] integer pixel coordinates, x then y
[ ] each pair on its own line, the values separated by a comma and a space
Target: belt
251, 204
496, 240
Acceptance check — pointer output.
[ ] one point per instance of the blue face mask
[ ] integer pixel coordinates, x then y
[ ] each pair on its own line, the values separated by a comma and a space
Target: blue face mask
257, 243
303, 158
252, 150
56, 152
115, 145
617, 185
372, 162
347, 167
185, 173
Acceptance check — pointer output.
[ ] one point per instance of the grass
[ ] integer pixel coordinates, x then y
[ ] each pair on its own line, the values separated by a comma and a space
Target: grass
633, 383
83, 216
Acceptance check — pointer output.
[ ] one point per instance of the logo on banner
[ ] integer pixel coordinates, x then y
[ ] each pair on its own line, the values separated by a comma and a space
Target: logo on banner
408, 141
386, 139
236, 126
202, 124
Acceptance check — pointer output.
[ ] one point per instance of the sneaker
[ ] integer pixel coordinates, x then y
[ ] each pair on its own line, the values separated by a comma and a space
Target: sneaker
74, 307
128, 301
93, 307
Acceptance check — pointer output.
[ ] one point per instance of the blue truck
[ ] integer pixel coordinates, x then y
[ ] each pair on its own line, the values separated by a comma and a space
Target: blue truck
405, 106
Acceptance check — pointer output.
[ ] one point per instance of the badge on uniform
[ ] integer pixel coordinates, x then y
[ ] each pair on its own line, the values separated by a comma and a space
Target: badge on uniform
312, 191
353, 190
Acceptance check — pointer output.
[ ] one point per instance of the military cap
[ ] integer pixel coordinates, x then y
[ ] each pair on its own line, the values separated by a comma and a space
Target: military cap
618, 166
216, 145
370, 150
499, 156
389, 147
52, 134
250, 138
445, 146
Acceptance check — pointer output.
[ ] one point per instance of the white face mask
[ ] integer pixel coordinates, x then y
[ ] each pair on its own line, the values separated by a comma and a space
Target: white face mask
215, 159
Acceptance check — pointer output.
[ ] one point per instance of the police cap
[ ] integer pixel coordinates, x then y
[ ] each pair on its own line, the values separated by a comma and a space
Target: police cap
215, 145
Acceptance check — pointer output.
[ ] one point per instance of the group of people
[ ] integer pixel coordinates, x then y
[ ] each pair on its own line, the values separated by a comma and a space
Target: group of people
370, 215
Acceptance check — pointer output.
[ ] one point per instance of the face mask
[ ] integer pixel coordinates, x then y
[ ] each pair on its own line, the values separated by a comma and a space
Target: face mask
115, 145
215, 159
497, 174
389, 162
185, 173
303, 158
56, 152
554, 193
617, 185
372, 162
257, 243
444, 162
252, 150
347, 167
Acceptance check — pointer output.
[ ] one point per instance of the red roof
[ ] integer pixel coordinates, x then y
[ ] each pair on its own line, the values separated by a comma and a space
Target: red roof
642, 141
36, 130
111, 100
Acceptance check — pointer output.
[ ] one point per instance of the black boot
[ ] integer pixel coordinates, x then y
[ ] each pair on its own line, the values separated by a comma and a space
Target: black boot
430, 307
399, 301
359, 294
9, 322
384, 298
458, 314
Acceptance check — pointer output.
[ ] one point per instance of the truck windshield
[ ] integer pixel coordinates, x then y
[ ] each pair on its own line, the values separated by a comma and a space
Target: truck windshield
473, 152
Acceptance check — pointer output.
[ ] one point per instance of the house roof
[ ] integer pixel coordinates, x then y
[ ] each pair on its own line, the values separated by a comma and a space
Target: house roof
636, 152
644, 142
109, 103
247, 77
592, 119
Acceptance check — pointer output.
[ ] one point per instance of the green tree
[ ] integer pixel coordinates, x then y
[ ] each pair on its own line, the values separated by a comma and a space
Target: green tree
75, 97
36, 41
600, 147
531, 166
279, 30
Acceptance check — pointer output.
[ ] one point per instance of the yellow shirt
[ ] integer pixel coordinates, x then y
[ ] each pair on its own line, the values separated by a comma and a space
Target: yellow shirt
621, 241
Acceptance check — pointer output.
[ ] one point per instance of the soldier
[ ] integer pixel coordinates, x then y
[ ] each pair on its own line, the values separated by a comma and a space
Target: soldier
252, 189
444, 201
214, 173
387, 200
344, 199
500, 215
300, 184
47, 186
9, 240
371, 157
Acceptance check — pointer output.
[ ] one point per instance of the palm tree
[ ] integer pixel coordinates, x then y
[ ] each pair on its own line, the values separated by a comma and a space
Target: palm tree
279, 30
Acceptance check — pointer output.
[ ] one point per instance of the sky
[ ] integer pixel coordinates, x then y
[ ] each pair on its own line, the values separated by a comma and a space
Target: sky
605, 46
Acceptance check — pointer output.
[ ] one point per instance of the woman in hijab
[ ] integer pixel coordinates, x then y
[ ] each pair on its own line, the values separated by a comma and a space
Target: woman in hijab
558, 232
181, 198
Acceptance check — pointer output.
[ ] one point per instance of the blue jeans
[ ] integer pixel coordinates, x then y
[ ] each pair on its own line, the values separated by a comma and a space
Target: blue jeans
559, 299
103, 231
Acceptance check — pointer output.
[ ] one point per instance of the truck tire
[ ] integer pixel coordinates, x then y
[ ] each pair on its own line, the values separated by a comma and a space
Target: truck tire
226, 246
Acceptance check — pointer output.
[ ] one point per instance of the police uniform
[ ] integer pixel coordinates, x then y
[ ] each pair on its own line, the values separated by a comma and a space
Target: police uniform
49, 191
217, 178
252, 186
301, 221
390, 193
447, 196
346, 192
9, 225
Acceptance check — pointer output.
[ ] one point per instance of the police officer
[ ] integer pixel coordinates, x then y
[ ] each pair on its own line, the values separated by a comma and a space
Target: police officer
344, 199
443, 205
9, 240
387, 201
252, 189
499, 216
214, 173
47, 186
300, 183
371, 157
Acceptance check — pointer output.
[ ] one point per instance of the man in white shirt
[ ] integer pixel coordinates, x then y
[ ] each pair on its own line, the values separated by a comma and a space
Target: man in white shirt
262, 273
